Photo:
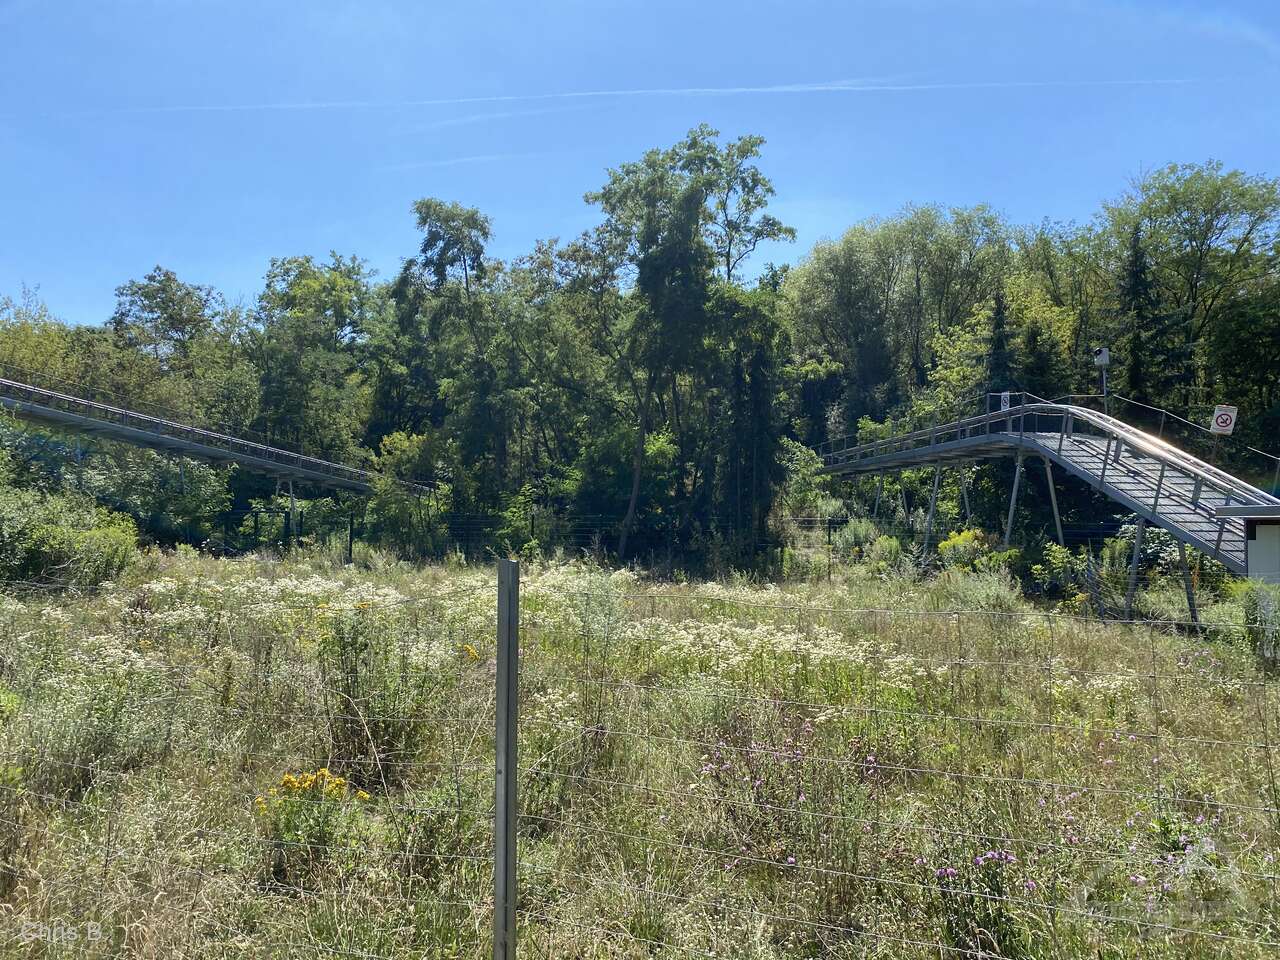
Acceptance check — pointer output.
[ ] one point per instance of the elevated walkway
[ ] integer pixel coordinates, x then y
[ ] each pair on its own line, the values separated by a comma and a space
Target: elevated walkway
49, 406
1161, 483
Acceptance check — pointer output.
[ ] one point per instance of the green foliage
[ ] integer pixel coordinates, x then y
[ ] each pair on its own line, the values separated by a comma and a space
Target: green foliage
804, 493
47, 538
1262, 616
1059, 570
999, 352
883, 553
408, 518
307, 819
854, 536
965, 548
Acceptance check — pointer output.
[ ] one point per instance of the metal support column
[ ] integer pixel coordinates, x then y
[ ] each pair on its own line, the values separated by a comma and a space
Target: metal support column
1222, 528
505, 770
1053, 500
1013, 500
933, 507
1133, 568
875, 513
1187, 586
1106, 459
964, 495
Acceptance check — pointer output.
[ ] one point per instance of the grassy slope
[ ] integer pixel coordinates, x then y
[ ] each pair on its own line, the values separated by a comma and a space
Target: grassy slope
256, 759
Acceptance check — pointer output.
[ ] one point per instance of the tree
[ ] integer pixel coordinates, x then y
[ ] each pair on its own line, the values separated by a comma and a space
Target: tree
1136, 309
999, 354
840, 304
737, 194
164, 316
1042, 368
453, 240
1208, 233
310, 320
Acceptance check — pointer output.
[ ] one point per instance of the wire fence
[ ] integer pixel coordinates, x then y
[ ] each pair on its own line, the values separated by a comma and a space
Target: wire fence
686, 771
802, 781
226, 776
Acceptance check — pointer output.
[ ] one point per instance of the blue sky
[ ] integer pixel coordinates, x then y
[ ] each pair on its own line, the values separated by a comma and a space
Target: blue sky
210, 136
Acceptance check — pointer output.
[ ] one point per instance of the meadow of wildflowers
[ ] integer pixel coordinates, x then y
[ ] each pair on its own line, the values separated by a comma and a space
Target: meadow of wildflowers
267, 758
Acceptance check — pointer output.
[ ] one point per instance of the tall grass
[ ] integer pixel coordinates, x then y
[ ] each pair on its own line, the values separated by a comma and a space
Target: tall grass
257, 758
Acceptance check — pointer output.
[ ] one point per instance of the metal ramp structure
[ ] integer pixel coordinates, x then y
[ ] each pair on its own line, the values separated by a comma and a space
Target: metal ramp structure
1161, 483
47, 406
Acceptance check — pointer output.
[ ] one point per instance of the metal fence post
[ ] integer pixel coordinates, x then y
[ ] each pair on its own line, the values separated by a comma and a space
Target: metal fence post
505, 808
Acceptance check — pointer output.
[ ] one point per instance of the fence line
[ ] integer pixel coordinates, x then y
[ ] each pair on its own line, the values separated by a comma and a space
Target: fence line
664, 799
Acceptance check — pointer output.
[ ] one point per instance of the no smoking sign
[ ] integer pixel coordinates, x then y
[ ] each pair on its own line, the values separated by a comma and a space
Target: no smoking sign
1224, 419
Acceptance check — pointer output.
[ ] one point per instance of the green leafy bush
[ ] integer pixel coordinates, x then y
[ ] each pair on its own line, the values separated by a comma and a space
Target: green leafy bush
305, 819
854, 535
884, 552
49, 538
964, 548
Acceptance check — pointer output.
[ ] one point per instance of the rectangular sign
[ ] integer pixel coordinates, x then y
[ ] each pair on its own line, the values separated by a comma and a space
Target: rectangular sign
1224, 419
1004, 400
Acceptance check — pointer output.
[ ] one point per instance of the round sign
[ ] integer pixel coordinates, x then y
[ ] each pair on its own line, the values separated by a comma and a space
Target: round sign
1223, 419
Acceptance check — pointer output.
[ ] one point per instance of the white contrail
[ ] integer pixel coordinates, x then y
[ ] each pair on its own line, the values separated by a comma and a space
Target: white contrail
460, 161
477, 118
863, 85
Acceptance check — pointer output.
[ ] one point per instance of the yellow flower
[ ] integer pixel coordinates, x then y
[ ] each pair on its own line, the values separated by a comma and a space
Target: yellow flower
361, 795
470, 651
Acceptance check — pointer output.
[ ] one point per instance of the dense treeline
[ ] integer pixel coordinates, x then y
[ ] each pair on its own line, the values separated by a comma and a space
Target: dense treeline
636, 375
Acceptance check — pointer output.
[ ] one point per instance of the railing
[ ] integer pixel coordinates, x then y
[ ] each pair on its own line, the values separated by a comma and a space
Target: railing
161, 426
1065, 420
1259, 467
1235, 460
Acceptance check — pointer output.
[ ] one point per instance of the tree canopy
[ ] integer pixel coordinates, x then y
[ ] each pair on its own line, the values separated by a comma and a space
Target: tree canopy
651, 375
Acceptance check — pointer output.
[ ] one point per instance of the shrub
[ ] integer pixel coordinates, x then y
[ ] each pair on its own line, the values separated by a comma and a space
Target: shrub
1262, 620
802, 565
964, 548
884, 552
1059, 569
854, 535
49, 538
304, 817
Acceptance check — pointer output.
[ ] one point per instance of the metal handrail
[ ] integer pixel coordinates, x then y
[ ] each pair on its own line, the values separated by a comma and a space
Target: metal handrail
164, 427
1219, 480
1197, 426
